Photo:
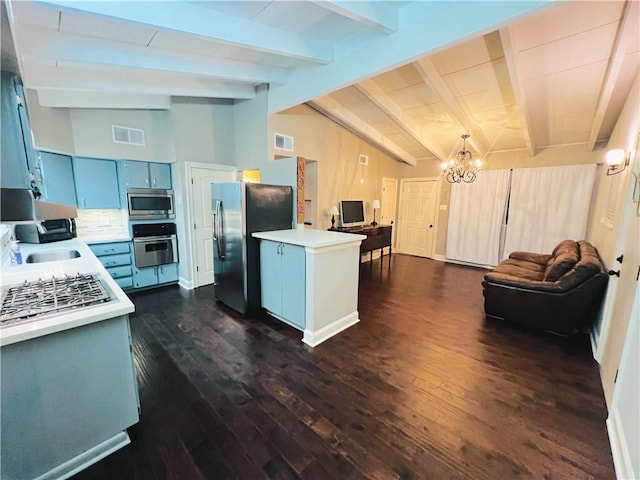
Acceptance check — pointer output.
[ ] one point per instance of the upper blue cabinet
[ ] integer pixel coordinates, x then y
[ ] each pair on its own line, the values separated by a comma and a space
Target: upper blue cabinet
136, 174
96, 183
57, 178
17, 146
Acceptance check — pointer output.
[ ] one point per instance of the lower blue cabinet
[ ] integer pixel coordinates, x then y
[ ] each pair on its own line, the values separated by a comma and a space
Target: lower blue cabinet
282, 280
116, 258
149, 276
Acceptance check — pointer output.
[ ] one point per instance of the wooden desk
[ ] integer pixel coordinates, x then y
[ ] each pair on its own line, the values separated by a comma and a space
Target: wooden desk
378, 237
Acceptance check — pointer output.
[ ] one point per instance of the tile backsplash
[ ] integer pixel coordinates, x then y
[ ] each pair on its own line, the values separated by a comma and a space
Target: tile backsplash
95, 223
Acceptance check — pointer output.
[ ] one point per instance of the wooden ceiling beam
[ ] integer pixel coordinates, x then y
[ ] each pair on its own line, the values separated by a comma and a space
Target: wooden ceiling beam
190, 18
380, 15
45, 44
621, 46
342, 116
510, 56
377, 96
74, 77
412, 40
437, 85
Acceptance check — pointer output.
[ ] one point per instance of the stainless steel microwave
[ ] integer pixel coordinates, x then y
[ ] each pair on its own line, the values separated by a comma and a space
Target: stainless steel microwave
150, 204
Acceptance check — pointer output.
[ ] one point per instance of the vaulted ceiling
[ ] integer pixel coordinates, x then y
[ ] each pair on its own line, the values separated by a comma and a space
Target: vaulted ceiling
410, 77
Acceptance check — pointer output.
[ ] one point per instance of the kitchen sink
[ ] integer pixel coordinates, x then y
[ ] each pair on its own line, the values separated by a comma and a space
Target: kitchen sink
52, 256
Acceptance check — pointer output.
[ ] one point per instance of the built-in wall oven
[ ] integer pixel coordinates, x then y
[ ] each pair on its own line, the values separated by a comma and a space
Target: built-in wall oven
150, 204
154, 244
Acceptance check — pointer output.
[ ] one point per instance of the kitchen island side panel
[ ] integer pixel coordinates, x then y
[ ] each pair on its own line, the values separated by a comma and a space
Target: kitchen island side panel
332, 278
64, 394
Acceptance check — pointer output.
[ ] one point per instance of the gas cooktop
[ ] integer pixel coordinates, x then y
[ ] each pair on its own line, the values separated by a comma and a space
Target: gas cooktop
31, 300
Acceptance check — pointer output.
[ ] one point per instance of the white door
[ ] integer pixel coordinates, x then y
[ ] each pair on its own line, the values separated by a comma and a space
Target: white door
625, 287
202, 178
623, 423
417, 217
388, 201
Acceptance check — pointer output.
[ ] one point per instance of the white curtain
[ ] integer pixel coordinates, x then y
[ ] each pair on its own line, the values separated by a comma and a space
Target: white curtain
548, 205
476, 213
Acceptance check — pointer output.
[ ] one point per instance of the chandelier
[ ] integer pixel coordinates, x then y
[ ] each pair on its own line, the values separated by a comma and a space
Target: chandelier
461, 167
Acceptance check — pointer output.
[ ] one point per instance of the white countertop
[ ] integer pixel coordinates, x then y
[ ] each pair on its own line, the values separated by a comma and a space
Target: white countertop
309, 237
86, 263
92, 240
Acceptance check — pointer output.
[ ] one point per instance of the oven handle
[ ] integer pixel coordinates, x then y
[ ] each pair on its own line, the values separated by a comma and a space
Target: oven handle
154, 239
218, 229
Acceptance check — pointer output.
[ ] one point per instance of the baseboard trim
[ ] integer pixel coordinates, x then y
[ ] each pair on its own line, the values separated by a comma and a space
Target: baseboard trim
186, 284
440, 258
619, 449
314, 339
469, 264
594, 344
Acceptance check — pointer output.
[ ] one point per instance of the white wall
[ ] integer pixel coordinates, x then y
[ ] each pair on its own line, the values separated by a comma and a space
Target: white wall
250, 130
92, 135
336, 150
51, 127
203, 130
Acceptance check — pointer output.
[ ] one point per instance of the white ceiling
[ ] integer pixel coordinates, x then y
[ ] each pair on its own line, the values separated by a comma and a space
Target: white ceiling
410, 77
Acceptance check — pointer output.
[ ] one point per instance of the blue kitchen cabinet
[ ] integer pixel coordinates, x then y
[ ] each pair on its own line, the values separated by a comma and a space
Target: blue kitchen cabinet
96, 183
136, 174
67, 399
282, 280
116, 258
150, 276
160, 175
14, 167
57, 178
271, 276
168, 273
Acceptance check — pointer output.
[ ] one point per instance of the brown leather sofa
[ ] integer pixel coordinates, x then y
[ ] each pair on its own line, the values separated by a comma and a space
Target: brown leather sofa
561, 292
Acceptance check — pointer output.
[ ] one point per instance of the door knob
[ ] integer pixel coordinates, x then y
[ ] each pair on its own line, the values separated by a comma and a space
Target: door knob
614, 272
430, 226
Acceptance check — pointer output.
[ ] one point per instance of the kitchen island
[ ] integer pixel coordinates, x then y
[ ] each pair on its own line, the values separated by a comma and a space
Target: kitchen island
309, 280
68, 387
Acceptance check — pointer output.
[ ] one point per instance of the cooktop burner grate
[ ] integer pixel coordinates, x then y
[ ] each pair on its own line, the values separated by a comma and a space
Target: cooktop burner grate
41, 297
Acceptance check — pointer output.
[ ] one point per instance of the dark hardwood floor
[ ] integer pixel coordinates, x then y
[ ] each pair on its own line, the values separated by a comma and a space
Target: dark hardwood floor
422, 388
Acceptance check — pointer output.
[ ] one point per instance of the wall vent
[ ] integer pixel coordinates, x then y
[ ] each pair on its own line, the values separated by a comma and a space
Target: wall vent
127, 135
363, 160
283, 142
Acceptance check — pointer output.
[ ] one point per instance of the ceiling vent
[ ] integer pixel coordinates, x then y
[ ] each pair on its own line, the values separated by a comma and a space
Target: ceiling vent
283, 142
127, 135
363, 160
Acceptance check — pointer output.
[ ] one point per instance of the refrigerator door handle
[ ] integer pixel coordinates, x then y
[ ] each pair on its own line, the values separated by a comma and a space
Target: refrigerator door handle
218, 230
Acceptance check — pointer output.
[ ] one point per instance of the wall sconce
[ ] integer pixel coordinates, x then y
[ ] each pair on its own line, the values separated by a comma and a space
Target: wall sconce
375, 204
333, 211
618, 161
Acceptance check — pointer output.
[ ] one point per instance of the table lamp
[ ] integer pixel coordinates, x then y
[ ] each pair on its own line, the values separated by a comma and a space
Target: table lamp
375, 204
333, 211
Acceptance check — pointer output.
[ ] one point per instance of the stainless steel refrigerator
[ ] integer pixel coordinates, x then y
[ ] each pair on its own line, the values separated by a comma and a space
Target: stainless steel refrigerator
240, 209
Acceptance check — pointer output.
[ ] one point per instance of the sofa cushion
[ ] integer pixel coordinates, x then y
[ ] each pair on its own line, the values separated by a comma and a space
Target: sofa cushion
559, 265
564, 246
525, 274
589, 265
538, 258
536, 267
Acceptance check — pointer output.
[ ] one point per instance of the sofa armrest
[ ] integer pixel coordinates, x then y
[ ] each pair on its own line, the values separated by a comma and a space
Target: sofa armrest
539, 258
502, 279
